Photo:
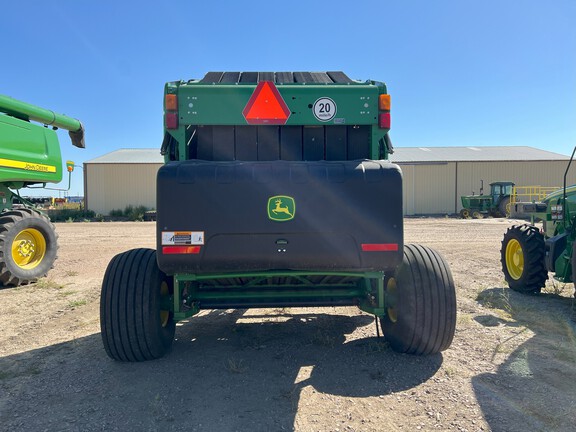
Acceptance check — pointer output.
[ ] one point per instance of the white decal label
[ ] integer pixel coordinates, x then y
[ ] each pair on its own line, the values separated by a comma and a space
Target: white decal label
324, 109
182, 238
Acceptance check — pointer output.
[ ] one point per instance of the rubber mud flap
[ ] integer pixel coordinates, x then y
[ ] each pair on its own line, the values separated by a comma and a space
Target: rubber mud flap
279, 215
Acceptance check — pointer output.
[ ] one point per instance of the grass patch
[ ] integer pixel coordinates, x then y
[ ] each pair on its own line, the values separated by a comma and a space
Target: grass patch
131, 213
48, 283
464, 319
449, 371
498, 299
70, 215
70, 273
76, 303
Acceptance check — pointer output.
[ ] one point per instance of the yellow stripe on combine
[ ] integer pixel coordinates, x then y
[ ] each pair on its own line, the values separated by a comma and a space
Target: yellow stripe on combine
28, 166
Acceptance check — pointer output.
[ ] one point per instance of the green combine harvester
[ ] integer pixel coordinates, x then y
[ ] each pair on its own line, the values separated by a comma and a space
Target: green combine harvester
277, 192
29, 156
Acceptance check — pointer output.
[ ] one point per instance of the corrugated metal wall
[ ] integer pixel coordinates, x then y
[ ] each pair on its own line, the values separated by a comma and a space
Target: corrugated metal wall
115, 186
429, 188
436, 188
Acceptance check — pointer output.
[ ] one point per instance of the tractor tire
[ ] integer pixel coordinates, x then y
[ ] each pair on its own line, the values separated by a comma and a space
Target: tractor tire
573, 314
421, 303
465, 213
134, 327
522, 257
477, 215
28, 246
504, 206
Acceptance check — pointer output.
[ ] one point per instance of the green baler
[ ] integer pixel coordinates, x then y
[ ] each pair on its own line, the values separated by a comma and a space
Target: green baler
277, 192
29, 155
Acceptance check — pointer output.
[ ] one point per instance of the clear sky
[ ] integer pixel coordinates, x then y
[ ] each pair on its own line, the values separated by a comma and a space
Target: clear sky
460, 72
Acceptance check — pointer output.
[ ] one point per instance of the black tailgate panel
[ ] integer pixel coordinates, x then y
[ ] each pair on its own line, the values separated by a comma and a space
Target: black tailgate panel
347, 216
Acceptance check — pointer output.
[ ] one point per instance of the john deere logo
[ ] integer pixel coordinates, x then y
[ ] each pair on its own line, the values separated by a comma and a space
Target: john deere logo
281, 208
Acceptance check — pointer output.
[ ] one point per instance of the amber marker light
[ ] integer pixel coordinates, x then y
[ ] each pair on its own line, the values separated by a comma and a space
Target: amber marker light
384, 102
171, 102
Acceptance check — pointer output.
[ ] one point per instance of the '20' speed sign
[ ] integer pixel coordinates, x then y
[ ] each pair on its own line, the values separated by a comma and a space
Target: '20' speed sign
324, 109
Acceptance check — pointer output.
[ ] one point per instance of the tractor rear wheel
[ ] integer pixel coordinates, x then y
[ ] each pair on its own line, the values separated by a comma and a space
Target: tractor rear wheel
421, 303
29, 244
465, 213
522, 257
135, 321
477, 215
504, 206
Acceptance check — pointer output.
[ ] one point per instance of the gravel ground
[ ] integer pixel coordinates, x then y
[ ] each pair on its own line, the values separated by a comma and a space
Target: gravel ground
511, 367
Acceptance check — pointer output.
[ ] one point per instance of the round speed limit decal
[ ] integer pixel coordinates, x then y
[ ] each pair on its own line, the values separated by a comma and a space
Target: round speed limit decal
324, 109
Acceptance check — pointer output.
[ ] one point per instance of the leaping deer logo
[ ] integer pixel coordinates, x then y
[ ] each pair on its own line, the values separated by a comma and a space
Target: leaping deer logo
281, 208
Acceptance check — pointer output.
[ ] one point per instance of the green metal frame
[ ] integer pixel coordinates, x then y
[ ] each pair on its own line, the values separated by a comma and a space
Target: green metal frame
222, 104
365, 289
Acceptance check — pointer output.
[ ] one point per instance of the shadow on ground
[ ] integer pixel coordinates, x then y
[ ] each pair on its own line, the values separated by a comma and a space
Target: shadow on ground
228, 370
535, 388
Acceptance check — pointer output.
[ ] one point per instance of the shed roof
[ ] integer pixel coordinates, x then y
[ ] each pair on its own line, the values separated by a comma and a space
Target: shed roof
473, 154
401, 155
130, 156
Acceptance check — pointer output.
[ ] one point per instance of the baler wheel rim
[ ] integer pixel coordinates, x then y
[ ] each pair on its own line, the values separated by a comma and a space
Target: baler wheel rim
391, 293
164, 314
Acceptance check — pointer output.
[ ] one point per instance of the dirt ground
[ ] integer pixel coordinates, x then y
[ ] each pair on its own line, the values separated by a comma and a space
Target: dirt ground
511, 367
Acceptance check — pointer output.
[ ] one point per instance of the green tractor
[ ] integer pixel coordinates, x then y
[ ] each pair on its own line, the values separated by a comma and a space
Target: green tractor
29, 157
528, 254
497, 204
277, 191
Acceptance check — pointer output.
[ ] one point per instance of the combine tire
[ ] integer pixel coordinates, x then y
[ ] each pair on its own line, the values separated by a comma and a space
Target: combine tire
134, 325
522, 257
465, 213
421, 303
28, 242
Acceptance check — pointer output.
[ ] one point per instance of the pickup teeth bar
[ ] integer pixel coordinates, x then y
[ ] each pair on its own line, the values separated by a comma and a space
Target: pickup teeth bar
276, 77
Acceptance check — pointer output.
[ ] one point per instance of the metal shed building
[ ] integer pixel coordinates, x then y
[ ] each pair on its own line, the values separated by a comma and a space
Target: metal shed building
434, 177
121, 178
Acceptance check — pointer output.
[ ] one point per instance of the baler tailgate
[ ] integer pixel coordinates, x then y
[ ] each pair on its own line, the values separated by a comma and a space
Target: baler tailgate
317, 216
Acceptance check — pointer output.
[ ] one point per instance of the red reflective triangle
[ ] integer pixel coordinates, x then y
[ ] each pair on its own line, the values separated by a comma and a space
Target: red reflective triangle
266, 106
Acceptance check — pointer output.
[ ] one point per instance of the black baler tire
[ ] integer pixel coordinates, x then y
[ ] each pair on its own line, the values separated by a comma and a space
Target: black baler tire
425, 306
12, 223
534, 273
130, 308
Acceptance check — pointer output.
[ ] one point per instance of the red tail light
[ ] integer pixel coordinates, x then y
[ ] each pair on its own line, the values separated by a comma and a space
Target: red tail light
171, 120
171, 250
379, 247
384, 120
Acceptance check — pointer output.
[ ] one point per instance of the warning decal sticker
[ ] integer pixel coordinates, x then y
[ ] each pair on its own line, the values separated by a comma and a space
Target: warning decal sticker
182, 238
